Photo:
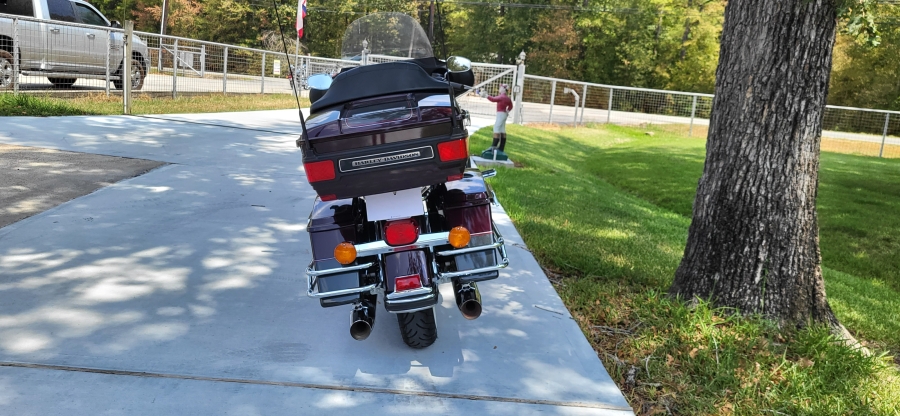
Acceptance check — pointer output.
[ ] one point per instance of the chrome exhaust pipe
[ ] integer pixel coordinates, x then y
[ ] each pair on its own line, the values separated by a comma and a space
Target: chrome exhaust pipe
468, 299
362, 318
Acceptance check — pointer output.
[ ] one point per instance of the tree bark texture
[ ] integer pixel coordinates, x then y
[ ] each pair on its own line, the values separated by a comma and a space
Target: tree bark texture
753, 243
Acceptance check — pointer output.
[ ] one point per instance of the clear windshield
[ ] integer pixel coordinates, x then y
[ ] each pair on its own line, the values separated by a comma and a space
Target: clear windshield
386, 34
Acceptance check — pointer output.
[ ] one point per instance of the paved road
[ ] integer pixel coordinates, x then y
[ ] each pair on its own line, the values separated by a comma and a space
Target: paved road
36, 179
164, 83
181, 292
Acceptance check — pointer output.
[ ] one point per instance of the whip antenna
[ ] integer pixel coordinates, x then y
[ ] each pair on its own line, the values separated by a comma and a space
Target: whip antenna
287, 59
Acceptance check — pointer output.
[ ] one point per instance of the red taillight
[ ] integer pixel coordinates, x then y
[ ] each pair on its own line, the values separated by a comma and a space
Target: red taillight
319, 171
407, 283
454, 150
452, 178
329, 197
401, 232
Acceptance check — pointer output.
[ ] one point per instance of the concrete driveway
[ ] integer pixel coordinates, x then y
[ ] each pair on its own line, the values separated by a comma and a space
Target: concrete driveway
181, 291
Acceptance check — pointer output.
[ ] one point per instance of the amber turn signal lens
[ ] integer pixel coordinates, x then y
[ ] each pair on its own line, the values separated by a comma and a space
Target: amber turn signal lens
459, 237
345, 253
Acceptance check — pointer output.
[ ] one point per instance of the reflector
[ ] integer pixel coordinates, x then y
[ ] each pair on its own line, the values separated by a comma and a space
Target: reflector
459, 237
345, 253
407, 283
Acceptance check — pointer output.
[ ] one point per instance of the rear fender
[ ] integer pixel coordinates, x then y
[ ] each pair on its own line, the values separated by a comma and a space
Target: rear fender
409, 263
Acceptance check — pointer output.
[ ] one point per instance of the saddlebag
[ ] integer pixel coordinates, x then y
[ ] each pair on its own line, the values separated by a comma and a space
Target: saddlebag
331, 223
467, 204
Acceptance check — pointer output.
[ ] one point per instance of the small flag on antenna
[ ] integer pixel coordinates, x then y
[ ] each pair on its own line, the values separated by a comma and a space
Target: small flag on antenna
301, 13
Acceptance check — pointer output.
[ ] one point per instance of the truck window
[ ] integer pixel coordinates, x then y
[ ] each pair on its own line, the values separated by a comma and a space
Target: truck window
17, 7
88, 16
61, 10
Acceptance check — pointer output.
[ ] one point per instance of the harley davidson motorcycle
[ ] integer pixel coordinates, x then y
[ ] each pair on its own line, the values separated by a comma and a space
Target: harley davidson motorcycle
399, 210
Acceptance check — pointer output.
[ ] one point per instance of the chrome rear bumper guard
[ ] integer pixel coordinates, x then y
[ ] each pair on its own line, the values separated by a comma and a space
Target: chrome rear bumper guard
312, 281
425, 241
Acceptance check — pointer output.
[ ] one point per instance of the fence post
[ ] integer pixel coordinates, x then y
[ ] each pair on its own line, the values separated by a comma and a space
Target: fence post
583, 103
693, 111
887, 120
552, 99
126, 67
108, 46
15, 62
609, 106
225, 73
262, 76
520, 86
175, 70
202, 61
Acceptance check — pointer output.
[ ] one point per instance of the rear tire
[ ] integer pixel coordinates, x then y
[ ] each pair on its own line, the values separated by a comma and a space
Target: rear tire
418, 329
62, 82
7, 77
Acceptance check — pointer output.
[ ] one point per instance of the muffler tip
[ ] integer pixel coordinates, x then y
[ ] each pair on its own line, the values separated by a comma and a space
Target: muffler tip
470, 309
468, 299
360, 330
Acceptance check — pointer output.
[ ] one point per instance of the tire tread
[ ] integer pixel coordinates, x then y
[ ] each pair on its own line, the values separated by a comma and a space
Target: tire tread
418, 329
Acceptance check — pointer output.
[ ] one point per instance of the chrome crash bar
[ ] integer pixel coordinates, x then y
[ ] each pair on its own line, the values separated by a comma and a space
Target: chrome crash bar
425, 241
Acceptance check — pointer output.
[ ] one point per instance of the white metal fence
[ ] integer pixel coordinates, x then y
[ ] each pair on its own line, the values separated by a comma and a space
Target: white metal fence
41, 55
551, 100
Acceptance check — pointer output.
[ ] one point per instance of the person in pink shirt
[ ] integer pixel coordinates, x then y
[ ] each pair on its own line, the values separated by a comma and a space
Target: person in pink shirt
504, 106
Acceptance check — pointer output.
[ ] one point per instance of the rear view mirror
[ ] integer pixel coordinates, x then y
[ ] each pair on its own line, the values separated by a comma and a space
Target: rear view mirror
458, 64
319, 81
318, 85
115, 24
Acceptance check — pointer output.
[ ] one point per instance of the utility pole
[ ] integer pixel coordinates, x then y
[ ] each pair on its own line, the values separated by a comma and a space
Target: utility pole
164, 17
431, 23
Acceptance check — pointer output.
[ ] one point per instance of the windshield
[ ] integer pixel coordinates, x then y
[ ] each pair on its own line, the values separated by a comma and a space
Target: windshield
394, 35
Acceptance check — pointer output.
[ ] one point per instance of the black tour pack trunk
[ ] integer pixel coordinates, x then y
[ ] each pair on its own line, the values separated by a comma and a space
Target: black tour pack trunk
383, 128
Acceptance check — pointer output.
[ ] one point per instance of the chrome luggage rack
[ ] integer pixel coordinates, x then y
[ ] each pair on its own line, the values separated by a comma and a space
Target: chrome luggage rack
379, 248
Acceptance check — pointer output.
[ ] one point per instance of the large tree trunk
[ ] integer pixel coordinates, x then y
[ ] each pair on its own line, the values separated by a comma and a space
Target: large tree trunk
753, 243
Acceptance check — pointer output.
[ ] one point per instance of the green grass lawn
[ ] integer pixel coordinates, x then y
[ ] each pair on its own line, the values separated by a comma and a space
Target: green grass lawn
606, 211
100, 104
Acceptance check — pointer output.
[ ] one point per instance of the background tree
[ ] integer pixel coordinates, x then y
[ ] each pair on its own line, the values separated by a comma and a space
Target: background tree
555, 46
865, 75
753, 243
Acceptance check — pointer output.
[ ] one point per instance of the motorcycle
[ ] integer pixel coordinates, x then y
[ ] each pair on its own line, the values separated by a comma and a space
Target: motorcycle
400, 209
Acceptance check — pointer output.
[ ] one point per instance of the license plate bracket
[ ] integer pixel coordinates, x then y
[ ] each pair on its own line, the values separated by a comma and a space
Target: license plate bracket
395, 205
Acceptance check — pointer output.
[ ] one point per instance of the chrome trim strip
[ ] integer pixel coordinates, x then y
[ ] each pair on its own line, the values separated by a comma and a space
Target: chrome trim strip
411, 310
411, 300
411, 292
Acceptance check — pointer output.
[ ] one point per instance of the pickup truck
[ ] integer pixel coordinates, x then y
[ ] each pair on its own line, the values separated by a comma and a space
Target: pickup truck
65, 40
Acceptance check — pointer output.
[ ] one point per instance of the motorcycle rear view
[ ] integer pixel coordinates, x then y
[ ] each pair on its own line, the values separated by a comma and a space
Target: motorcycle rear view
399, 209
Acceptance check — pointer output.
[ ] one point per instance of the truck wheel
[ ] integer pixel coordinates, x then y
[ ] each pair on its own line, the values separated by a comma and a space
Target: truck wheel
7, 77
62, 82
137, 76
418, 328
